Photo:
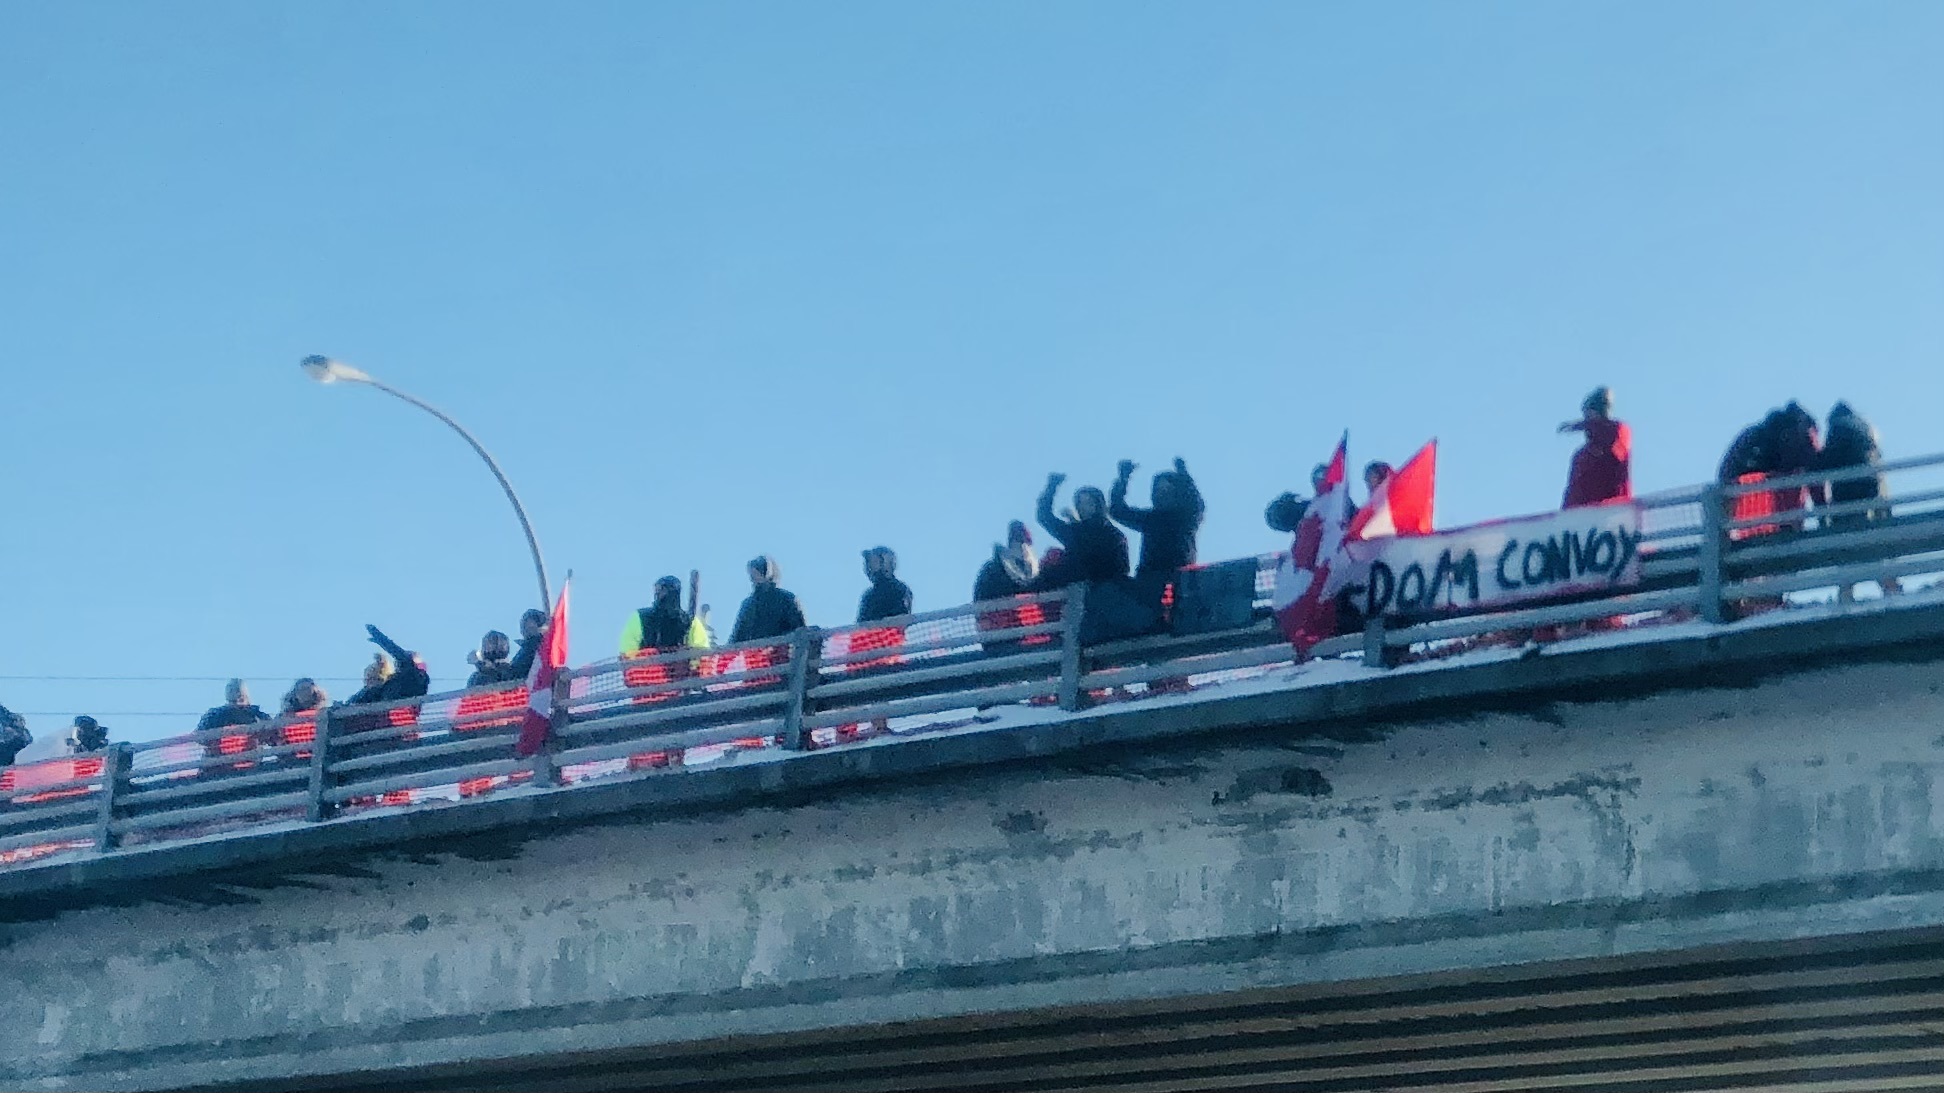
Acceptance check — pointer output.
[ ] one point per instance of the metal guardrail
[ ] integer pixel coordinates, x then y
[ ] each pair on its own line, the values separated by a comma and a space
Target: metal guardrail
657, 714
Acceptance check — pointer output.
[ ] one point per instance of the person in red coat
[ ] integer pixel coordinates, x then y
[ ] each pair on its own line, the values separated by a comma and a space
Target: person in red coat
1603, 467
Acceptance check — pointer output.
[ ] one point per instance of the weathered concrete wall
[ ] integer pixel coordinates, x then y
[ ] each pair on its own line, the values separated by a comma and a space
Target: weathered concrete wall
1805, 804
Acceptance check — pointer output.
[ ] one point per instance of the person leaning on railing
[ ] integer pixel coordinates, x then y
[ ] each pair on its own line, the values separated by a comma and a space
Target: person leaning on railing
304, 696
1852, 443
88, 735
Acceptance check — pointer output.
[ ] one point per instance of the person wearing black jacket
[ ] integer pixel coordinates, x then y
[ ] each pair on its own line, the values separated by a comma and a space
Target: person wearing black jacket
533, 630
1168, 529
409, 679
1852, 443
661, 627
769, 612
235, 712
490, 662
888, 597
1096, 550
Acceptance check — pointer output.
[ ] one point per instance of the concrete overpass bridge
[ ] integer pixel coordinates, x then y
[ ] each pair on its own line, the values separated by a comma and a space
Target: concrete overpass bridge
1689, 856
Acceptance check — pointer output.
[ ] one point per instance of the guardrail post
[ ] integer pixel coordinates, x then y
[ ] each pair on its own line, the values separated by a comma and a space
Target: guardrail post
1376, 647
113, 762
1714, 545
1073, 617
806, 650
320, 776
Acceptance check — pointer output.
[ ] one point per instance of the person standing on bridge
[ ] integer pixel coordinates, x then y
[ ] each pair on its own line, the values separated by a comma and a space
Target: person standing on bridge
235, 712
492, 662
533, 631
1095, 550
88, 735
663, 626
304, 696
409, 679
1852, 445
769, 611
888, 597
1168, 530
1602, 469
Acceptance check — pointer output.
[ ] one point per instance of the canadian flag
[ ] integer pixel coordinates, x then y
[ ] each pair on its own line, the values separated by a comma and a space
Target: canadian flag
1305, 616
538, 723
1403, 504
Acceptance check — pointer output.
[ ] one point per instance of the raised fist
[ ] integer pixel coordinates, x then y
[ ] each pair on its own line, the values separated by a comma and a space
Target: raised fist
1126, 467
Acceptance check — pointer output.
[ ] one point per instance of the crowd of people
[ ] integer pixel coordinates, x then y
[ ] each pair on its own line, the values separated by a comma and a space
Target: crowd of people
1125, 590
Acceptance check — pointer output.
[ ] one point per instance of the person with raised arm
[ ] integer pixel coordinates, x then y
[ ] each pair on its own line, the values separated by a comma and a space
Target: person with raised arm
1602, 468
409, 679
1169, 528
1094, 549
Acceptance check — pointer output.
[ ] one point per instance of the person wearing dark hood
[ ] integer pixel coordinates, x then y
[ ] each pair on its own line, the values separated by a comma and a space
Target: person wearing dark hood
1602, 467
663, 626
235, 712
533, 631
1168, 529
1783, 444
1095, 550
1852, 443
769, 611
492, 662
888, 597
409, 679
88, 735
13, 736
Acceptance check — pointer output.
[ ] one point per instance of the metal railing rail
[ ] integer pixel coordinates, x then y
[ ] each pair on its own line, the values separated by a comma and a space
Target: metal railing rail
649, 715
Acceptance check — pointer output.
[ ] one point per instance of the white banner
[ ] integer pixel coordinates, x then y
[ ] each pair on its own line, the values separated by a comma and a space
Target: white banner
1503, 562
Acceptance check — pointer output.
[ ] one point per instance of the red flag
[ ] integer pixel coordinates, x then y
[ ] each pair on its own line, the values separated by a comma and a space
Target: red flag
537, 725
1305, 616
1404, 503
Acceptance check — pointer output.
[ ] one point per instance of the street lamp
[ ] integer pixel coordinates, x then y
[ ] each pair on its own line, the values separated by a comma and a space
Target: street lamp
326, 370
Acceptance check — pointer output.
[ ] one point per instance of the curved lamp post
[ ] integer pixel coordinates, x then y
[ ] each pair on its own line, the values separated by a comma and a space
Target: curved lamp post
326, 370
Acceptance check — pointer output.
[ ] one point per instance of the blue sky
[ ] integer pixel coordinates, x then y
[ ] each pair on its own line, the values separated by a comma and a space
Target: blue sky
728, 278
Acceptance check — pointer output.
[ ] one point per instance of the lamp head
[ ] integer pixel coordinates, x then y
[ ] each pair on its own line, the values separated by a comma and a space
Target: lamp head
325, 370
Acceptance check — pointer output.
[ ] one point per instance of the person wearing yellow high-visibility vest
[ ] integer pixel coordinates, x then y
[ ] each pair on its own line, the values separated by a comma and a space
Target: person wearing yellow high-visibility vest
665, 626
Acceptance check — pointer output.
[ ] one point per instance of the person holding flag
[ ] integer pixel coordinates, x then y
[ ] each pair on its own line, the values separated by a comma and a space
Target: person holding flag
1302, 611
536, 727
1325, 560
